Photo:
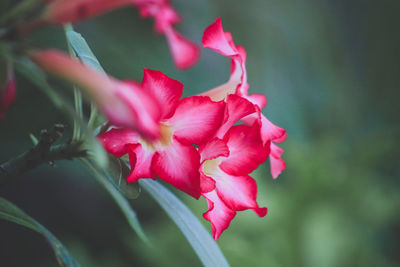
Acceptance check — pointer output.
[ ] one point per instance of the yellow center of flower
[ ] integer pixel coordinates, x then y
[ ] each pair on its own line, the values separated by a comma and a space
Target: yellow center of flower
210, 167
164, 140
166, 134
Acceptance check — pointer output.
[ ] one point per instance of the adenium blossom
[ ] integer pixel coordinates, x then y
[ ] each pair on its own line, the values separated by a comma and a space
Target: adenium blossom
7, 92
124, 103
226, 161
216, 39
185, 53
184, 123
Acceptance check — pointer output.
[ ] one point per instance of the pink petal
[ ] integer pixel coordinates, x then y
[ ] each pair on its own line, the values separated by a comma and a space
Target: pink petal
207, 183
213, 149
257, 99
166, 90
268, 130
236, 108
115, 141
185, 53
276, 162
218, 214
144, 110
246, 150
140, 160
196, 119
179, 165
215, 39
238, 192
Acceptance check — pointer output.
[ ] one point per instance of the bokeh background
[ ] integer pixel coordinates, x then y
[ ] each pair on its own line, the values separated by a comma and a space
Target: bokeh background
330, 70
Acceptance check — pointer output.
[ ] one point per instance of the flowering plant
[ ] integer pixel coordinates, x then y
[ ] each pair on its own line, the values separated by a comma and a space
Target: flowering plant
204, 145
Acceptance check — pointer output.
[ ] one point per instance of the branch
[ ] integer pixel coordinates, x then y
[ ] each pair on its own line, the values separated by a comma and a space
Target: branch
43, 152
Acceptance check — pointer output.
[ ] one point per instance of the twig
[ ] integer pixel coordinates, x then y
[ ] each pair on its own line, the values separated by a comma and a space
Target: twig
44, 152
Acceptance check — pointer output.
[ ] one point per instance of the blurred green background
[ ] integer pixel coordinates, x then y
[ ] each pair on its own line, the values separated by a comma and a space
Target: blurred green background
330, 70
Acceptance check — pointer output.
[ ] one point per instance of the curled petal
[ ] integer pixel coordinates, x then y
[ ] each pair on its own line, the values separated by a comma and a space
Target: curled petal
115, 141
276, 162
257, 99
185, 52
268, 130
207, 183
246, 150
238, 192
178, 165
196, 119
213, 149
236, 108
218, 214
140, 160
166, 90
215, 38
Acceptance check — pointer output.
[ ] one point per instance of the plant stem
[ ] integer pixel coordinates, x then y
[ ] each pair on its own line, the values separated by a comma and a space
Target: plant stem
77, 93
43, 152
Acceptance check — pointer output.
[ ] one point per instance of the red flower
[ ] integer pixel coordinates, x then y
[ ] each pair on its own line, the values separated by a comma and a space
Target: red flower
125, 104
7, 92
216, 39
185, 53
172, 157
226, 161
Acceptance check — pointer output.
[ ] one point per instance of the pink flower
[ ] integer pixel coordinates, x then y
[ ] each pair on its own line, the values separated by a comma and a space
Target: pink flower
125, 104
172, 157
216, 39
226, 161
185, 53
7, 92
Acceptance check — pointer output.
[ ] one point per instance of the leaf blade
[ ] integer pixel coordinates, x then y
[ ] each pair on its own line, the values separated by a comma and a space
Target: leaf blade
198, 237
121, 201
10, 212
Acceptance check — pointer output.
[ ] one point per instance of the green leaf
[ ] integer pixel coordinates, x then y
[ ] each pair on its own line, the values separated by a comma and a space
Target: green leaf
83, 50
117, 172
36, 76
198, 237
124, 205
85, 54
10, 212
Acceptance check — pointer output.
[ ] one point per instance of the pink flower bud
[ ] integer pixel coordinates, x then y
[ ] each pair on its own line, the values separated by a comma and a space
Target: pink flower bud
71, 11
125, 104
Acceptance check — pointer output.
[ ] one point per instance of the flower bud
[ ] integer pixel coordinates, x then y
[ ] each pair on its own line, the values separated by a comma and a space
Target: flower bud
125, 104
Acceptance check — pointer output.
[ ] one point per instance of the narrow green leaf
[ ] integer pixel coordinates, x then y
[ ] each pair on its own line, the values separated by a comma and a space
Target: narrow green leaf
85, 54
77, 93
123, 204
36, 76
117, 172
198, 237
10, 212
83, 50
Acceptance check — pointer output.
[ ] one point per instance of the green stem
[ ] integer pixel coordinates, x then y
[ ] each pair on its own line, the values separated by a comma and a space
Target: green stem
77, 93
44, 151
